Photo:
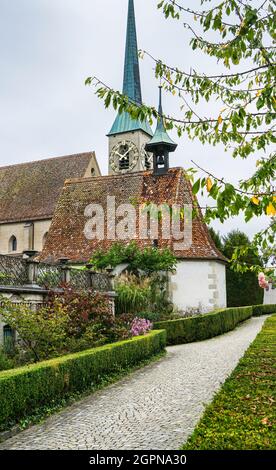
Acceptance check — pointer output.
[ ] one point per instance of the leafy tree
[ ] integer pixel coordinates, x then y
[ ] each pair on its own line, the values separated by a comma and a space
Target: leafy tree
42, 333
216, 238
240, 35
149, 260
242, 287
144, 287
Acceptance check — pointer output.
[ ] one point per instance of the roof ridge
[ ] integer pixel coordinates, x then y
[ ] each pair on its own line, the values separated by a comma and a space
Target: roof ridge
62, 157
129, 175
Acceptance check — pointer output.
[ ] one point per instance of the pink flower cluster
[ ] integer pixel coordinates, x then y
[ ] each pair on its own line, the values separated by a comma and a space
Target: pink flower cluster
140, 326
262, 281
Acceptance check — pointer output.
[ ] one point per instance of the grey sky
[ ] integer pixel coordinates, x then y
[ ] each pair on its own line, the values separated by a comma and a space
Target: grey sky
49, 47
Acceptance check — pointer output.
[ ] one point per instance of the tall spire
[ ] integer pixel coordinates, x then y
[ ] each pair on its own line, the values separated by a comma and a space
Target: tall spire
132, 82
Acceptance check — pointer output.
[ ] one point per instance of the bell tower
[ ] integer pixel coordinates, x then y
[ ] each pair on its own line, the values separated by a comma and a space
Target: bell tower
161, 145
128, 137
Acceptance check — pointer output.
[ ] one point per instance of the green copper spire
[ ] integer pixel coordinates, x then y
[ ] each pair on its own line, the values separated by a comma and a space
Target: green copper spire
161, 137
132, 83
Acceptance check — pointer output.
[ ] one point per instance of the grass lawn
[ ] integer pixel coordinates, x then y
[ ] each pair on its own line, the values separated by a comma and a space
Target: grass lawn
243, 413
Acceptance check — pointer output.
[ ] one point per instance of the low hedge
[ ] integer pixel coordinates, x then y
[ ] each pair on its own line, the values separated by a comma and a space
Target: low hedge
198, 328
242, 415
258, 310
24, 389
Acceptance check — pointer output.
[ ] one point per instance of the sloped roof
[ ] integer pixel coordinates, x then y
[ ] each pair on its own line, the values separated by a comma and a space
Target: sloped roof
66, 237
30, 191
124, 123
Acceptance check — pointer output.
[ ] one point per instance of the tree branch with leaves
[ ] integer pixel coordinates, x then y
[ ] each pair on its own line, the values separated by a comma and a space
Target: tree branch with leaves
240, 101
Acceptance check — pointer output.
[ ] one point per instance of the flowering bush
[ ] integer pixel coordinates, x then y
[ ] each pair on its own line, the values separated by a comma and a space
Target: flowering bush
262, 281
140, 326
71, 321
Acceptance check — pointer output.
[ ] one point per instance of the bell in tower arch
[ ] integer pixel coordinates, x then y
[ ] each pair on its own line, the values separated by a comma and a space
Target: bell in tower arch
161, 144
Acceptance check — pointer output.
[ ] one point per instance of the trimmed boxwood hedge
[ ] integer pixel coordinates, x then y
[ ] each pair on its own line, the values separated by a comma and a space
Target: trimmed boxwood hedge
24, 389
198, 328
258, 310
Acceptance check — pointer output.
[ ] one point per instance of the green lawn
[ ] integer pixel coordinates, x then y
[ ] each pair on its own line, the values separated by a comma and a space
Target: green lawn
243, 413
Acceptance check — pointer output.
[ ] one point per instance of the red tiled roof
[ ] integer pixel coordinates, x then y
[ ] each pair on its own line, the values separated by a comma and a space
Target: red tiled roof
66, 236
30, 191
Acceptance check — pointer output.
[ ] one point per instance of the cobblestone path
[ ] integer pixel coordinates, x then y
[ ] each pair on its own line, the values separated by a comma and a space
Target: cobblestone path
154, 408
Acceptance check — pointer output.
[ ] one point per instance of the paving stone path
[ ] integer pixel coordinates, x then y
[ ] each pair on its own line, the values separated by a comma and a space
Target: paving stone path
154, 408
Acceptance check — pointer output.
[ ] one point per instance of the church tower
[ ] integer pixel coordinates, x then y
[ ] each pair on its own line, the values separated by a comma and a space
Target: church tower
128, 137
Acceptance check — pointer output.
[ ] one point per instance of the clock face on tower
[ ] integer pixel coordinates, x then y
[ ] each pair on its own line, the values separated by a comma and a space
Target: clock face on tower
124, 157
146, 158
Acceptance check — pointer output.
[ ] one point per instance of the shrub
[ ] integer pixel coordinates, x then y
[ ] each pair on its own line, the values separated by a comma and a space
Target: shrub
263, 310
25, 389
5, 361
42, 332
140, 326
202, 327
71, 321
152, 316
242, 413
143, 293
149, 260
133, 294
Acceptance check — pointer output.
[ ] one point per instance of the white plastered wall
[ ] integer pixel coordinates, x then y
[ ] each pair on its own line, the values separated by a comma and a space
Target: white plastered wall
270, 295
198, 285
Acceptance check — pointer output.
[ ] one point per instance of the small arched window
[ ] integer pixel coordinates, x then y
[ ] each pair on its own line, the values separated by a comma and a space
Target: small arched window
13, 244
9, 338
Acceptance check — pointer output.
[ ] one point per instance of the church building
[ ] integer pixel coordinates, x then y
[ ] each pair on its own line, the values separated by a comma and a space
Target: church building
28, 196
139, 175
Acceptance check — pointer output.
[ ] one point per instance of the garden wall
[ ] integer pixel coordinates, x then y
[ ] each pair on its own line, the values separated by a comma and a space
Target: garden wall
25, 389
198, 328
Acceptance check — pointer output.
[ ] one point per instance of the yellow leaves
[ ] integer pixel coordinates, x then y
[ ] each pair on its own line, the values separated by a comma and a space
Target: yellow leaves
259, 92
169, 77
255, 200
209, 184
195, 17
220, 120
173, 92
270, 209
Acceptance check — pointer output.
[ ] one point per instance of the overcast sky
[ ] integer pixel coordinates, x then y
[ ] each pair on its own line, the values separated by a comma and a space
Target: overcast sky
49, 47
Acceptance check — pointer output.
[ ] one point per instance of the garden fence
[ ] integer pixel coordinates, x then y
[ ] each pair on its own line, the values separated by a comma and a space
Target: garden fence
18, 272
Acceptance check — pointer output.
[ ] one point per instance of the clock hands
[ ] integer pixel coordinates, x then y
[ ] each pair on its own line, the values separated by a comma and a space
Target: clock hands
125, 154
